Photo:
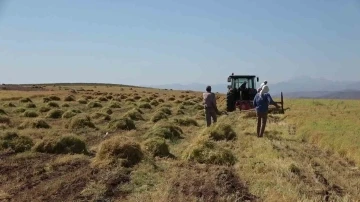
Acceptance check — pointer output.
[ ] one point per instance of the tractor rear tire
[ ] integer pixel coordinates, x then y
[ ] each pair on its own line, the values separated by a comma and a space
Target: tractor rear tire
230, 102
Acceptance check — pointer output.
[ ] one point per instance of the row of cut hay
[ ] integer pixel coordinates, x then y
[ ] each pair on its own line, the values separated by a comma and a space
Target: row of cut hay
68, 144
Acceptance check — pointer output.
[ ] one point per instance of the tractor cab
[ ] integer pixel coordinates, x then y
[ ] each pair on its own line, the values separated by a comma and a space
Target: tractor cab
238, 80
244, 86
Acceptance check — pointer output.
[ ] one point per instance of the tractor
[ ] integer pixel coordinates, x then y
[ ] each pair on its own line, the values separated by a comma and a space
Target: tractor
241, 93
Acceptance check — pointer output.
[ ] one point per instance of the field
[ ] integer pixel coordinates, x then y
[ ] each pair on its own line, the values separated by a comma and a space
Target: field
120, 143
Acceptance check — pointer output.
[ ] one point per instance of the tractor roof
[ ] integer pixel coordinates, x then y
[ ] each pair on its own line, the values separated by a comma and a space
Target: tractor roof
242, 76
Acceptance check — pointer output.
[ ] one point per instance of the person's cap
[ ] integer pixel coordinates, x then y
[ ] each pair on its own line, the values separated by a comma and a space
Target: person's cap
208, 88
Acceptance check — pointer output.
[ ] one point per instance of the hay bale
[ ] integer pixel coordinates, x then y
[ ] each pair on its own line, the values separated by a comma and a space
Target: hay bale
11, 140
10, 104
69, 144
134, 114
37, 123
154, 103
181, 106
25, 100
123, 123
165, 130
123, 97
102, 99
157, 146
119, 150
2, 112
69, 98
82, 101
81, 121
145, 106
70, 113
166, 110
171, 99
221, 132
30, 114
55, 114
180, 112
207, 152
53, 104
4, 119
44, 109
129, 100
30, 105
94, 105
159, 115
20, 110
54, 98
46, 100
115, 104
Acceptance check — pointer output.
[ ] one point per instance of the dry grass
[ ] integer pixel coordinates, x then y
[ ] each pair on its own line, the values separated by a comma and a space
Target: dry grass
111, 143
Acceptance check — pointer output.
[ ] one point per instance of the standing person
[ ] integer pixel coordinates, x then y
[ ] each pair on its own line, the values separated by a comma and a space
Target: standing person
209, 99
261, 103
243, 86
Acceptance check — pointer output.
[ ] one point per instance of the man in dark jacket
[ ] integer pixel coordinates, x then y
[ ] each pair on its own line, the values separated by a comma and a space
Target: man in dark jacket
261, 103
209, 101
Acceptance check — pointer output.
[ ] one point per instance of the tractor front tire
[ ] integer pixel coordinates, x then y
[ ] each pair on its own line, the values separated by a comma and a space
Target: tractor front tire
230, 102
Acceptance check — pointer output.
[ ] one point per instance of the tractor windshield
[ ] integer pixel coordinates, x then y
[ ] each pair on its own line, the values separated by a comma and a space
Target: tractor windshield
237, 82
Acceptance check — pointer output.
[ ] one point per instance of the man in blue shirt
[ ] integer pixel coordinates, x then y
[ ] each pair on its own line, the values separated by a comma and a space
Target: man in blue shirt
261, 103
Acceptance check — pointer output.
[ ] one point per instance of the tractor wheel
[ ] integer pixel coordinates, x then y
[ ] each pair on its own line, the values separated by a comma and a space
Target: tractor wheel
230, 102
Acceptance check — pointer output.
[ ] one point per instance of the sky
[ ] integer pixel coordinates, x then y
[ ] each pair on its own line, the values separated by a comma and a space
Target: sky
180, 41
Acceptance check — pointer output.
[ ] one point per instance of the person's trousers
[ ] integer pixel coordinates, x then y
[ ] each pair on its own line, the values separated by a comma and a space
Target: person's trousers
261, 123
210, 114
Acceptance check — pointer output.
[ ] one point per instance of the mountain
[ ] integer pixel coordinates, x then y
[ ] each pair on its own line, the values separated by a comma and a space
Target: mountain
221, 88
308, 84
350, 94
298, 87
